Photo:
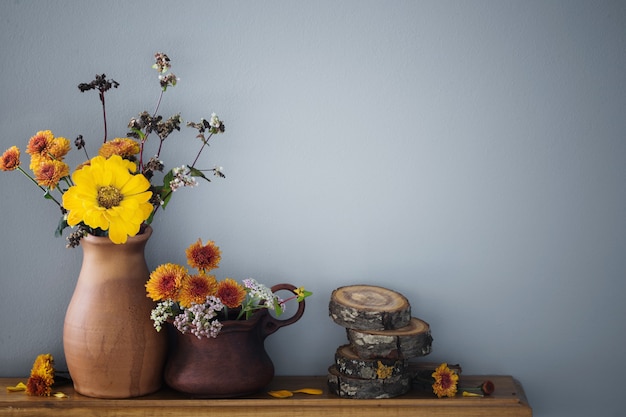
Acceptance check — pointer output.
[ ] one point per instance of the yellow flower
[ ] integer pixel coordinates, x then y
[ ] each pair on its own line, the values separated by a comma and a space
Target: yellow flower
196, 288
107, 196
38, 147
39, 143
445, 381
41, 376
165, 282
58, 148
231, 293
123, 147
203, 258
383, 371
10, 159
49, 172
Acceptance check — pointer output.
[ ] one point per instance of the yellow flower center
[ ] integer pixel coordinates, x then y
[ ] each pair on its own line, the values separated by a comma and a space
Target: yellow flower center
109, 196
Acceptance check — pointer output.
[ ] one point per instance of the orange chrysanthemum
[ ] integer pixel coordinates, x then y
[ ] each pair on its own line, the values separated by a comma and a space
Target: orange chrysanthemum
40, 142
38, 385
124, 147
445, 381
49, 173
203, 258
58, 148
196, 288
10, 159
41, 376
165, 282
231, 293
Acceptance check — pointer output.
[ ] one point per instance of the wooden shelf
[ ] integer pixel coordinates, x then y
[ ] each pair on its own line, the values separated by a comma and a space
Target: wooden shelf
508, 400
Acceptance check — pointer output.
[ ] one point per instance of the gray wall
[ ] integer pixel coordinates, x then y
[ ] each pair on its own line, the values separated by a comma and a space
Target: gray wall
467, 154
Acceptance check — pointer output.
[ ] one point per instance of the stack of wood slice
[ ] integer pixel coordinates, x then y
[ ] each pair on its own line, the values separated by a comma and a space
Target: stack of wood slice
383, 337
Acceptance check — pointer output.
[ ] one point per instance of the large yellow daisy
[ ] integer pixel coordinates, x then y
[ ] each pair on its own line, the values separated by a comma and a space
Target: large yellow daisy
108, 196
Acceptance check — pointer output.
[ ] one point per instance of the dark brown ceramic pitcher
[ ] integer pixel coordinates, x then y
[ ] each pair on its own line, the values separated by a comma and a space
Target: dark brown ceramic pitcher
234, 363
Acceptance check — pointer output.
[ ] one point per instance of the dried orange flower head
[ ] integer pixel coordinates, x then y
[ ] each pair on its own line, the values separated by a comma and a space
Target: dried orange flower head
203, 257
196, 288
10, 159
39, 143
49, 172
446, 380
231, 293
165, 282
41, 376
124, 147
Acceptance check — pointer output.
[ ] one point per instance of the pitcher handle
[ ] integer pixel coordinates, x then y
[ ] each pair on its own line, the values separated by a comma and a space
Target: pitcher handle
272, 323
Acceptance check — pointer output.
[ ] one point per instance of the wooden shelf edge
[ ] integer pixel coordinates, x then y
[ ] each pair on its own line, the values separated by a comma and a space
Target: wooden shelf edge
509, 400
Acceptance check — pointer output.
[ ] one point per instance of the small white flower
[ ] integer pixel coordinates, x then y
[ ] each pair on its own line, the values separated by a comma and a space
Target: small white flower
215, 121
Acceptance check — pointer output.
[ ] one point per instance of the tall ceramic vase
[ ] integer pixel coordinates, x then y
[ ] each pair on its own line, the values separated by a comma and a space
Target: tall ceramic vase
111, 347
233, 364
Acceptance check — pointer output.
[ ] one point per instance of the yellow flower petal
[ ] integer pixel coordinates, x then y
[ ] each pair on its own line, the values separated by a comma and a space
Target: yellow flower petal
19, 387
311, 391
60, 395
471, 394
283, 393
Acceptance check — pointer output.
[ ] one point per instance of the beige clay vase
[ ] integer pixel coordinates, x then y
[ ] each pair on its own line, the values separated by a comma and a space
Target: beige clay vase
111, 347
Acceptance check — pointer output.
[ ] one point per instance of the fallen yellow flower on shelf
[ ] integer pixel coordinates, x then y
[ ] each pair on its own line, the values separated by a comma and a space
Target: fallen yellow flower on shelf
19, 387
471, 394
283, 393
60, 395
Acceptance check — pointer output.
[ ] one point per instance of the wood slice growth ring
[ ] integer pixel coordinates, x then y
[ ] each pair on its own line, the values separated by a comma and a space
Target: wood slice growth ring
410, 341
367, 307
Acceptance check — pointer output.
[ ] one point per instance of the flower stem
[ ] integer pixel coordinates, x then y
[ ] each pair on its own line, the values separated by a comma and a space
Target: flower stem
104, 115
46, 192
156, 109
204, 143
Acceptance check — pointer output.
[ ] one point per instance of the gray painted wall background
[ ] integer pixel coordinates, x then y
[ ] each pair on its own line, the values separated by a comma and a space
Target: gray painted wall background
467, 154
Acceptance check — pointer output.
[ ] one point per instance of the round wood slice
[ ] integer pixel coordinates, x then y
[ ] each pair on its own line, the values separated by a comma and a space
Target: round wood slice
348, 363
367, 307
350, 387
408, 342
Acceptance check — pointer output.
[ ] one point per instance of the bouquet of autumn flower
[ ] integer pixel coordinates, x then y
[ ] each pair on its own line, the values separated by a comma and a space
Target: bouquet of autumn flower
115, 193
198, 303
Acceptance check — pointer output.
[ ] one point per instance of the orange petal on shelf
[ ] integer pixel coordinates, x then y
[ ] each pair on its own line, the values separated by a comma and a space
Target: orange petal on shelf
311, 391
19, 387
283, 393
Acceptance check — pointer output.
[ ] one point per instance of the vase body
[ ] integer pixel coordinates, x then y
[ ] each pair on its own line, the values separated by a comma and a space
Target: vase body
111, 347
233, 364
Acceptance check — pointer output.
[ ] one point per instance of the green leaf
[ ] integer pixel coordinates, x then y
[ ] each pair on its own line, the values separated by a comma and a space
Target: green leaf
60, 227
141, 135
304, 295
165, 191
197, 173
277, 308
